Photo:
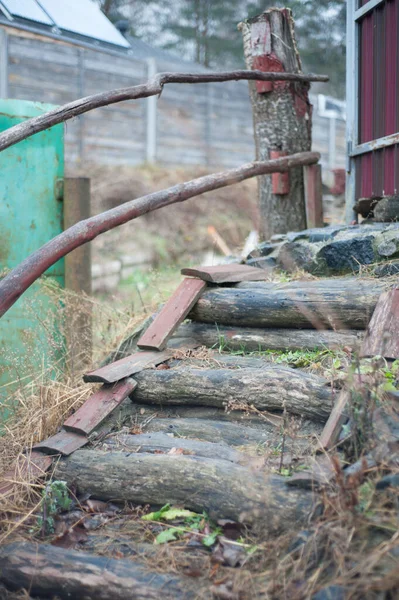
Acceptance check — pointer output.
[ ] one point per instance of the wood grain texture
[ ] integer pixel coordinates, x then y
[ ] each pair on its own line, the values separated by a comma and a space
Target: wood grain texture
382, 335
282, 116
222, 489
64, 443
341, 303
313, 195
13, 285
125, 367
254, 338
172, 314
335, 421
99, 406
49, 572
160, 442
270, 388
226, 273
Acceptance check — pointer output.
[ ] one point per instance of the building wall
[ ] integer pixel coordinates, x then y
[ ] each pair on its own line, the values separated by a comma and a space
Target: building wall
209, 124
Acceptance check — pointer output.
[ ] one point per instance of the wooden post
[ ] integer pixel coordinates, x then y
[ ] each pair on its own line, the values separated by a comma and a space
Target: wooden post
78, 274
282, 115
313, 195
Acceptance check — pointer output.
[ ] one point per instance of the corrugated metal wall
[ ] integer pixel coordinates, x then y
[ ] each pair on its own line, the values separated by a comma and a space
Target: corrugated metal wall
377, 172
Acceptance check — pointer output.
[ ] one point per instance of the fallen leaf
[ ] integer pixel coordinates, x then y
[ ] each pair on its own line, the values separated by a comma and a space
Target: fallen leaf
162, 367
70, 537
169, 535
95, 506
228, 554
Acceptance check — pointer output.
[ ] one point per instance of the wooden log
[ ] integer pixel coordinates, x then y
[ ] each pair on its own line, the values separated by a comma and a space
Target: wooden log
224, 432
47, 571
171, 315
271, 388
159, 442
252, 338
323, 304
282, 114
382, 335
222, 489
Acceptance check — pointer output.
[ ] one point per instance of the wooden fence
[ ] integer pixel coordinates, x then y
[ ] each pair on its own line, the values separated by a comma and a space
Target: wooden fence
209, 124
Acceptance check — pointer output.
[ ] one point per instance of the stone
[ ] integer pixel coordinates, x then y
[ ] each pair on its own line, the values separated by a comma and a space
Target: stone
348, 254
278, 237
387, 209
387, 270
296, 255
265, 262
388, 481
387, 249
330, 592
263, 249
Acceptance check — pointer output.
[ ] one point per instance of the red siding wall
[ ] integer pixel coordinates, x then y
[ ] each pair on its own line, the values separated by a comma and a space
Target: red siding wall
378, 171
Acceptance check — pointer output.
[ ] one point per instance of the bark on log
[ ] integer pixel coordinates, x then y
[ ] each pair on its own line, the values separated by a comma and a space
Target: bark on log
271, 388
19, 279
162, 442
222, 432
222, 489
48, 572
282, 115
253, 339
322, 304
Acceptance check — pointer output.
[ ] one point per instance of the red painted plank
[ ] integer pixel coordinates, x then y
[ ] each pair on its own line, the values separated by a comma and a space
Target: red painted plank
313, 195
382, 335
64, 442
120, 369
389, 36
280, 181
335, 421
171, 315
226, 273
27, 468
99, 406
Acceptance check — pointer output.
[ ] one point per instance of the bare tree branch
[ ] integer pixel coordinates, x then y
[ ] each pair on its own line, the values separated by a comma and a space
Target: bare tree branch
20, 278
153, 87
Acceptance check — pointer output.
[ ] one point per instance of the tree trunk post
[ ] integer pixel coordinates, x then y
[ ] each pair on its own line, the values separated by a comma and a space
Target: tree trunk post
282, 115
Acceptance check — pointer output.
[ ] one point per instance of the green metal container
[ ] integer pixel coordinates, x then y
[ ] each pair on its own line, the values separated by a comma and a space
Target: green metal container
31, 213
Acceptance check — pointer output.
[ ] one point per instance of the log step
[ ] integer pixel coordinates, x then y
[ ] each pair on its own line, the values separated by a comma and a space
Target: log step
341, 303
226, 273
171, 315
253, 339
223, 489
270, 388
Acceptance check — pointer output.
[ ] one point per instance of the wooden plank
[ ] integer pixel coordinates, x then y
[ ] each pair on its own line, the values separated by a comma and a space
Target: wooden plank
335, 421
280, 181
313, 195
172, 314
382, 334
99, 406
27, 468
125, 367
226, 273
64, 442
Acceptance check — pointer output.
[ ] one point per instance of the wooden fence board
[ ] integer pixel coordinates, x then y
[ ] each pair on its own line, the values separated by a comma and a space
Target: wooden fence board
64, 442
172, 314
226, 273
99, 406
125, 367
382, 335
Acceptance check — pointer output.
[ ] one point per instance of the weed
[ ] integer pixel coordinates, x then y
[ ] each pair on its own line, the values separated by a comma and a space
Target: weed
55, 499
